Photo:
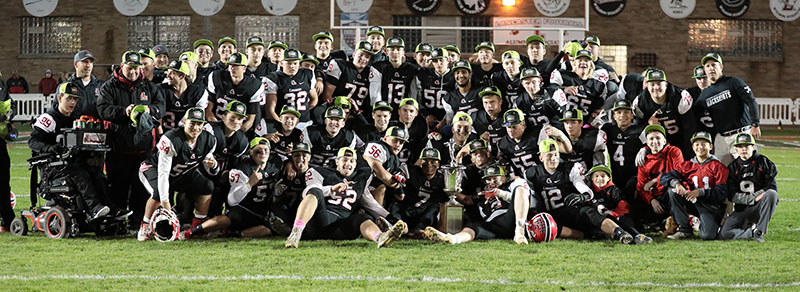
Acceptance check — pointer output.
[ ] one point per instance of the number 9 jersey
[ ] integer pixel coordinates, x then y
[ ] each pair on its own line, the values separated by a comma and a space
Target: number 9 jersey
293, 90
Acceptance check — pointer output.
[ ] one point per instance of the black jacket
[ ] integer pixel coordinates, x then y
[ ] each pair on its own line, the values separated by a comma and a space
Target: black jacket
115, 96
90, 93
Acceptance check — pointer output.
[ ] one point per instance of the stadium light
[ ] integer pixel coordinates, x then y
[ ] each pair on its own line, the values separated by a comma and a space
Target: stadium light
509, 2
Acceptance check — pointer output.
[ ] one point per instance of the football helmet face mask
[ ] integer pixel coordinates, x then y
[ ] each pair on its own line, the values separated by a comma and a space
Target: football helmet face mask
165, 225
541, 228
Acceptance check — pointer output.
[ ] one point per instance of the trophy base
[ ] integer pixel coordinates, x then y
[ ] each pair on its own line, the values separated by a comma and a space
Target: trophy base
451, 218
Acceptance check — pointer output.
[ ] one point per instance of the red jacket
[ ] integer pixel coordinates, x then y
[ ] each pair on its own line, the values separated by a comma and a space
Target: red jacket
654, 166
47, 86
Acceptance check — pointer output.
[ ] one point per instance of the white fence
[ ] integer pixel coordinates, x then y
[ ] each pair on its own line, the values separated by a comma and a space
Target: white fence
773, 110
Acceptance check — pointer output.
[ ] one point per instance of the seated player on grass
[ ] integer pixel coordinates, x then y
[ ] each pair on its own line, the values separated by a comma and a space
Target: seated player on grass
331, 202
424, 190
608, 201
503, 206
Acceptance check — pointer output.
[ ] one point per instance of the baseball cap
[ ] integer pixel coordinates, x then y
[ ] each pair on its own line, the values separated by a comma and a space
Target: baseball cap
711, 56
485, 44
592, 39
82, 55
698, 72
490, 90
583, 53
701, 135
548, 145
180, 66
597, 168
147, 52
48, 71
439, 53
572, 115
513, 117
322, 34
365, 47
254, 40
622, 104
534, 38
195, 114
529, 72
334, 112
310, 58
346, 152
375, 29
342, 102
744, 139
226, 39
573, 47
493, 170
477, 144
411, 101
656, 127
189, 56
395, 42
301, 147
291, 55
655, 75
277, 44
259, 141
430, 153
424, 47
69, 88
200, 42
462, 64
397, 132
160, 50
382, 105
237, 59
452, 47
237, 107
131, 58
510, 54
290, 109
462, 116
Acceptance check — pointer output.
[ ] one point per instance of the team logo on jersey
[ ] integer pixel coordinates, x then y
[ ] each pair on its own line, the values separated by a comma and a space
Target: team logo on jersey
471, 7
396, 74
427, 183
733, 8
358, 76
143, 97
177, 103
490, 128
328, 147
232, 92
192, 157
436, 82
463, 100
294, 83
516, 147
608, 7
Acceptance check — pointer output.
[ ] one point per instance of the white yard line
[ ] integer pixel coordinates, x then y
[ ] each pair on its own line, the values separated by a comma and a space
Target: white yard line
390, 279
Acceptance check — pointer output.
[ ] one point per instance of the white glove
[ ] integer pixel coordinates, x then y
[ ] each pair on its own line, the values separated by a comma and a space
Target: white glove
641, 156
434, 136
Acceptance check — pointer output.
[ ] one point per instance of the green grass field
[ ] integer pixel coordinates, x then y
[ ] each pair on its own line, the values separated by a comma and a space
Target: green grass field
37, 263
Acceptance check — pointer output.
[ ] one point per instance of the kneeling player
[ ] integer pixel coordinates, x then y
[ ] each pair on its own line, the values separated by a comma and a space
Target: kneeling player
504, 206
249, 197
331, 195
424, 190
566, 196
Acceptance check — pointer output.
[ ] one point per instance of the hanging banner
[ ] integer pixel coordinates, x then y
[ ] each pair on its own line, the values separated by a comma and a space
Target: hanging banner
40, 8
347, 42
785, 10
551, 36
206, 7
678, 9
354, 6
733, 8
608, 7
551, 8
279, 7
130, 8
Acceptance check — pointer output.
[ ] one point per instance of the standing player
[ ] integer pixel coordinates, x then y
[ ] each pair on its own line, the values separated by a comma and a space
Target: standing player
323, 49
391, 80
536, 103
453, 52
377, 37
283, 134
434, 83
232, 84
732, 107
698, 186
204, 49
486, 66
408, 118
518, 147
330, 201
668, 105
537, 50
487, 123
578, 89
255, 54
325, 139
624, 139
226, 47
422, 55
464, 98
593, 46
704, 121
752, 188
350, 78
292, 86
275, 52
180, 95
148, 59
508, 80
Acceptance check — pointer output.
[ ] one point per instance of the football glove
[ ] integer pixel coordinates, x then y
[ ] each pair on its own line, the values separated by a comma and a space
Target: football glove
575, 200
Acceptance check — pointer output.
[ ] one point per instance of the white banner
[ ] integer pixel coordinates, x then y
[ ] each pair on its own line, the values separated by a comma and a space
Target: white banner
517, 37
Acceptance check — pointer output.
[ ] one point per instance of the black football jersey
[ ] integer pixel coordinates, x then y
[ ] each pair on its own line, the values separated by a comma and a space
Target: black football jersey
588, 149
539, 110
341, 204
701, 114
184, 157
417, 139
455, 102
493, 207
481, 122
324, 148
444, 149
258, 72
222, 91
591, 93
377, 57
421, 191
349, 82
202, 75
227, 148
255, 199
752, 175
381, 152
676, 116
293, 90
482, 78
511, 88
284, 145
294, 189
523, 154
392, 84
552, 188
731, 104
193, 96
433, 87
369, 133
622, 148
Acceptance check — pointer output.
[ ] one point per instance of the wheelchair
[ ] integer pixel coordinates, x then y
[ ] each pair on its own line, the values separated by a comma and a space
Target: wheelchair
65, 214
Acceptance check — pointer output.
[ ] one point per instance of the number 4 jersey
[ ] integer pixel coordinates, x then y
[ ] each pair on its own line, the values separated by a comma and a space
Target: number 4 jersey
293, 90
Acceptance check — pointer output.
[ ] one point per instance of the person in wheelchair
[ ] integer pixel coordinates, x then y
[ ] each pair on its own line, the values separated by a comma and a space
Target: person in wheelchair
82, 170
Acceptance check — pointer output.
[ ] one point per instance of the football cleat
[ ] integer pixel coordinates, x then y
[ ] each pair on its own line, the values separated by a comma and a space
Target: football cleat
389, 237
642, 239
670, 226
383, 224
144, 232
277, 225
681, 235
438, 236
694, 221
294, 238
623, 236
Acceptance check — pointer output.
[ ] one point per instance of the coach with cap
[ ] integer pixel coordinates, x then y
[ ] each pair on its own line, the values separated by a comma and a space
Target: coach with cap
86, 82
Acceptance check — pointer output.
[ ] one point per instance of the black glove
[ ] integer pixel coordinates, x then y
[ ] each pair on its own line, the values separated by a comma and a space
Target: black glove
575, 200
55, 149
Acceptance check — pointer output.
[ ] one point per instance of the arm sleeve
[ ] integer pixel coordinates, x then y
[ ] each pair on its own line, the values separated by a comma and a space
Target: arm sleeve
240, 186
599, 156
769, 174
314, 180
376, 152
333, 72
203, 101
577, 178
211, 87
165, 153
369, 203
43, 133
746, 95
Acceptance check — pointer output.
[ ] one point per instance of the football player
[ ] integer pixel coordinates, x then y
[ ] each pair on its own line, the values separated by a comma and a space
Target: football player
577, 89
284, 133
231, 144
204, 49
381, 156
377, 37
391, 80
330, 201
422, 55
148, 59
624, 139
180, 94
190, 58
653, 205
487, 122
293, 86
462, 134
255, 55
698, 187
565, 195
176, 167
323, 49
434, 83
424, 190
465, 97
275, 51
288, 189
453, 52
518, 147
537, 50
232, 84
381, 114
508, 80
486, 66
593, 46
588, 145
226, 47
536, 103
417, 130
350, 78
668, 105
326, 139
503, 205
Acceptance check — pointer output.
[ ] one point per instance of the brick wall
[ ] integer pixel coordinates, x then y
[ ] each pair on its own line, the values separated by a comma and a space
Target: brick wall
641, 26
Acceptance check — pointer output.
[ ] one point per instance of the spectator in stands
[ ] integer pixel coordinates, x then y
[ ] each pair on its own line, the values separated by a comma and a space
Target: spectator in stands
48, 84
17, 84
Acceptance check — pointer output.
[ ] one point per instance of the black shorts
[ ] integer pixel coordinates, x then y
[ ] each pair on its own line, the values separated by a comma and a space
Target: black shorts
584, 218
242, 219
326, 224
417, 218
192, 183
500, 227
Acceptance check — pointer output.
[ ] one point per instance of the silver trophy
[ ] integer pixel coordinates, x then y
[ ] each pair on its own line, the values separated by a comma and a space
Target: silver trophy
451, 213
